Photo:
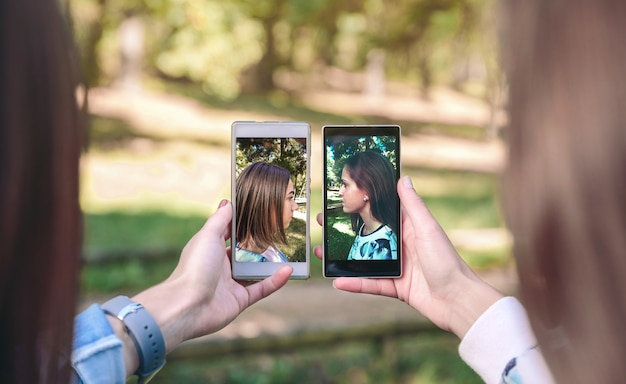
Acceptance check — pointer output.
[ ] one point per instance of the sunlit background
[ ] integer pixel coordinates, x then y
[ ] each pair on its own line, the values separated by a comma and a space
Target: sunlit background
164, 79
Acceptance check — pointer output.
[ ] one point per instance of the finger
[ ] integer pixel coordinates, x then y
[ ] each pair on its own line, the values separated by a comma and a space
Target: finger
220, 221
269, 285
430, 240
383, 287
318, 251
424, 224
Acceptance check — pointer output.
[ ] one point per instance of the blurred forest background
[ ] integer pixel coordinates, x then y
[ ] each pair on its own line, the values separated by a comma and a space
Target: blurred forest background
162, 81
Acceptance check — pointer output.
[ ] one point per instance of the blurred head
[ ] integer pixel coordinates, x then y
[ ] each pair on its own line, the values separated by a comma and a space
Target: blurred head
370, 183
265, 202
566, 179
40, 138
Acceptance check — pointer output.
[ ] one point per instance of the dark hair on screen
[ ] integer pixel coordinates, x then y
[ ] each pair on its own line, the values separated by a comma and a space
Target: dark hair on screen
566, 182
40, 220
260, 196
375, 175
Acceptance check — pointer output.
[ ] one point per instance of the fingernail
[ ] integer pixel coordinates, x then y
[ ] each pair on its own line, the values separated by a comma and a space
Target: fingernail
407, 182
222, 203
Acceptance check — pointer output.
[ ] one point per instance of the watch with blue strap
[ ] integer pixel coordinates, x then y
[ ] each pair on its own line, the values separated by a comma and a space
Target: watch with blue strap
144, 332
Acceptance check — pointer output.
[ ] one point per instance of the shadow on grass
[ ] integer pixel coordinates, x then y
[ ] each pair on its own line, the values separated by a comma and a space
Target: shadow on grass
108, 134
339, 242
278, 103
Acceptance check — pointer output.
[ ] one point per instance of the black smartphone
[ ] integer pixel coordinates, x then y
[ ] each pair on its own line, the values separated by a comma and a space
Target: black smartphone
361, 220
270, 194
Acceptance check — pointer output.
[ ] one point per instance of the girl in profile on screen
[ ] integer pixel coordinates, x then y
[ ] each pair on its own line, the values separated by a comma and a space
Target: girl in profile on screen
265, 202
368, 194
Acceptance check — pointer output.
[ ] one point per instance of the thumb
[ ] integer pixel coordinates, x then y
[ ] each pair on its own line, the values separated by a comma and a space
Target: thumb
411, 201
424, 224
220, 221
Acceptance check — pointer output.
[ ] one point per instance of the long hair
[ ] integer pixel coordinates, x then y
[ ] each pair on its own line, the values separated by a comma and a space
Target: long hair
40, 139
375, 175
260, 195
566, 180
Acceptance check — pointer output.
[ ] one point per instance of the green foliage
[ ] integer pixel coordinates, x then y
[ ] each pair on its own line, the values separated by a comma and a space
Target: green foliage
287, 153
338, 153
296, 239
228, 45
212, 43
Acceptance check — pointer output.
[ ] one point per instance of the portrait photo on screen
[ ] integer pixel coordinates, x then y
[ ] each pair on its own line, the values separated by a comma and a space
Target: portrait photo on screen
270, 200
361, 202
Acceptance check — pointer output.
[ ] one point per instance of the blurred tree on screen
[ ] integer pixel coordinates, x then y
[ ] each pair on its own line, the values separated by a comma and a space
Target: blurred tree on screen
288, 153
339, 152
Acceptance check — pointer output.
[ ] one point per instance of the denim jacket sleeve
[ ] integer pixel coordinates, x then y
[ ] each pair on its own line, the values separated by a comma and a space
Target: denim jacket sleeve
97, 351
501, 346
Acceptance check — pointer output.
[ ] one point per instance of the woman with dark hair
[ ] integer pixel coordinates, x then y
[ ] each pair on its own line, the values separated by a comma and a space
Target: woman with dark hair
40, 219
369, 195
41, 132
265, 202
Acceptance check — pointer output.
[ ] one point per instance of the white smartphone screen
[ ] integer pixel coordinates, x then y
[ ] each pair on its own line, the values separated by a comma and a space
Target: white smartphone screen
270, 194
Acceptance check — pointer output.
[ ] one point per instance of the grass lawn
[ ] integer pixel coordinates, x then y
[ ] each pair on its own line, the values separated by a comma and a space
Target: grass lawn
458, 200
423, 358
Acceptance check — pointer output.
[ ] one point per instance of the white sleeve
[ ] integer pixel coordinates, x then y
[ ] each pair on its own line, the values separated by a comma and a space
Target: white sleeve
502, 333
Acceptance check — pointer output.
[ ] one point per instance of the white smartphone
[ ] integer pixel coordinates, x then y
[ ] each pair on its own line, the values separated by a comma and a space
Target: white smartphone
361, 205
270, 194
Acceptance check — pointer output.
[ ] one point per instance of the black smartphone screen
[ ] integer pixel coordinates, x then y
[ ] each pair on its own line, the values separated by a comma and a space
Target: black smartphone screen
361, 204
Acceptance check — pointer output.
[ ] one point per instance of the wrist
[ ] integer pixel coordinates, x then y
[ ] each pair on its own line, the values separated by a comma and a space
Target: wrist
473, 298
172, 311
144, 333
129, 350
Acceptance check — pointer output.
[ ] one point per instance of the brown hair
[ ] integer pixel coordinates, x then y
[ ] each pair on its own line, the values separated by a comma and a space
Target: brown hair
375, 175
40, 141
260, 194
566, 180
